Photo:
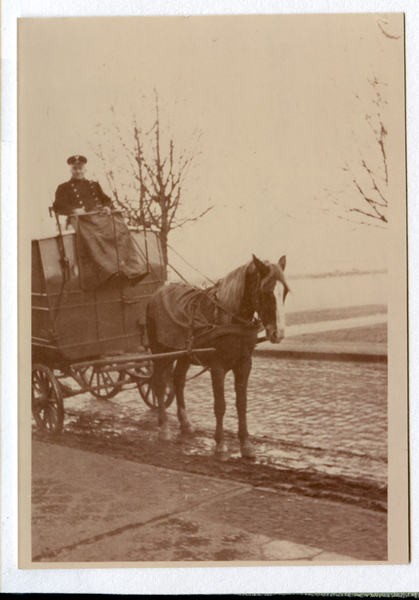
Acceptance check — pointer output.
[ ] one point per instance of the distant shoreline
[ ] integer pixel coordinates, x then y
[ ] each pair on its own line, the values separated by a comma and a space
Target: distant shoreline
326, 275
337, 274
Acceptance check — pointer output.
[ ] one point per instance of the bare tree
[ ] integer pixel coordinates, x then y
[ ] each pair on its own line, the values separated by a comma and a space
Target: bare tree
148, 175
368, 176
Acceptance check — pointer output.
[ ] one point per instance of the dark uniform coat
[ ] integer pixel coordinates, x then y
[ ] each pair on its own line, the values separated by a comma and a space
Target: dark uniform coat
80, 193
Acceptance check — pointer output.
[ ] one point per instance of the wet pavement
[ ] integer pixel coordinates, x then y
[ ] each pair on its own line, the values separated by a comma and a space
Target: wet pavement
93, 508
311, 415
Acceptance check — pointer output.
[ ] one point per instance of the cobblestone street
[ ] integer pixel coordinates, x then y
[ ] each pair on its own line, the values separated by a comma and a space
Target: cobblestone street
323, 416
319, 426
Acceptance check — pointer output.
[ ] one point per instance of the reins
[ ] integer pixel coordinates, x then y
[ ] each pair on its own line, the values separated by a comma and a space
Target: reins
224, 309
254, 323
218, 328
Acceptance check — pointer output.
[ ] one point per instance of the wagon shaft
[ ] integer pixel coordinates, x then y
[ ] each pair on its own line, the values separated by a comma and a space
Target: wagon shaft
142, 357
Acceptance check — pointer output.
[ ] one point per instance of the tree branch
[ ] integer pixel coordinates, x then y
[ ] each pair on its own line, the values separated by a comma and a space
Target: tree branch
150, 172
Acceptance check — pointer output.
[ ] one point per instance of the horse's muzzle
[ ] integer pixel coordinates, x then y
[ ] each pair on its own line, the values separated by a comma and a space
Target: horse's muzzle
275, 336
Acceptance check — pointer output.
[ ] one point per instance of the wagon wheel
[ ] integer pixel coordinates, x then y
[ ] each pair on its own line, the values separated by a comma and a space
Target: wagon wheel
145, 388
92, 377
47, 400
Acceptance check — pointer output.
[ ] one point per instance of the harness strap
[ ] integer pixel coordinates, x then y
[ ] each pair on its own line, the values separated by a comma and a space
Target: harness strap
220, 306
219, 330
191, 339
198, 374
191, 331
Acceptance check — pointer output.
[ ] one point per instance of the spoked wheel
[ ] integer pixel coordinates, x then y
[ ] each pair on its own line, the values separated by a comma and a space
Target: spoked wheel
47, 400
145, 372
92, 377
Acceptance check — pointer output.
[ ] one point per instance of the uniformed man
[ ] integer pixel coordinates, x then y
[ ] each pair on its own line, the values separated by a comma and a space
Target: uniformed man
79, 195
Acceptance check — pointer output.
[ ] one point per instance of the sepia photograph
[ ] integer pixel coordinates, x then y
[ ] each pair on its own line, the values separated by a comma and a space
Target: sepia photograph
212, 291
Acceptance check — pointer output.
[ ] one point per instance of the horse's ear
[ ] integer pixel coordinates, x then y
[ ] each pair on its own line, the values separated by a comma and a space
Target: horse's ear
282, 262
261, 267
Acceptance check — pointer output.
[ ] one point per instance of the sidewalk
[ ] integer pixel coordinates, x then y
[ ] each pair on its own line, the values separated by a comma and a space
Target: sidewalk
322, 335
88, 507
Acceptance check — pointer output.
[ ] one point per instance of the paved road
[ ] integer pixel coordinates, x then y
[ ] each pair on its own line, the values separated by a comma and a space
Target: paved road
323, 416
92, 507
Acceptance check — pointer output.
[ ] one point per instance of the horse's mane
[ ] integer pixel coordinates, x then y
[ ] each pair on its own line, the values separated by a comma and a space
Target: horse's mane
230, 289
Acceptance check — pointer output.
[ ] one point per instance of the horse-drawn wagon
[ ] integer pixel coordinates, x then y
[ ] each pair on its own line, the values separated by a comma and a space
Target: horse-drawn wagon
88, 325
98, 306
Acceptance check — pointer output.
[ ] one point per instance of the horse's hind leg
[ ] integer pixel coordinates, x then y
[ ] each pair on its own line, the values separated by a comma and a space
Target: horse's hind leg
241, 377
161, 373
179, 380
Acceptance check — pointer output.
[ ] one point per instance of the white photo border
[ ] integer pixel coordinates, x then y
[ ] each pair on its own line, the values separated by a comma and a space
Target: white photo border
242, 580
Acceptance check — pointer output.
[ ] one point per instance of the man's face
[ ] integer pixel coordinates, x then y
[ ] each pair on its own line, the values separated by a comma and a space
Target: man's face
78, 171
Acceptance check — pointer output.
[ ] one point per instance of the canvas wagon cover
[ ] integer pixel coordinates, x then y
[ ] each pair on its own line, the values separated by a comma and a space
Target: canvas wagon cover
105, 249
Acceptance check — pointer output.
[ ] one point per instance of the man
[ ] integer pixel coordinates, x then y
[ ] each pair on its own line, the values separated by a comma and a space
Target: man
79, 195
105, 248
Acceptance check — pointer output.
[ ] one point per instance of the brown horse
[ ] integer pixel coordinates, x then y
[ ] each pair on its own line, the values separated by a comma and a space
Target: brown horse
180, 316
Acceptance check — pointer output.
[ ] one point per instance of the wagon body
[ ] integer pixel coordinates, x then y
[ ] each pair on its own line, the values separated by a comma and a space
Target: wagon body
91, 338
69, 323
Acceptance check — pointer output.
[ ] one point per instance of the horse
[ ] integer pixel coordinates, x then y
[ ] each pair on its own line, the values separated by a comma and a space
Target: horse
222, 317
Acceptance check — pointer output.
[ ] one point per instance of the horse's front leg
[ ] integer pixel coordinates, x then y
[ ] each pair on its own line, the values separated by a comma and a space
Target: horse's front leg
162, 371
217, 377
241, 377
179, 380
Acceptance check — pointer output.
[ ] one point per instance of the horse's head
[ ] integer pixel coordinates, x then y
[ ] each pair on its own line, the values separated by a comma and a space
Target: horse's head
270, 293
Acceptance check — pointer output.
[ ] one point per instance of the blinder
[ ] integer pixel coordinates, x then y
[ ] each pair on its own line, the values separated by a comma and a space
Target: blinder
267, 284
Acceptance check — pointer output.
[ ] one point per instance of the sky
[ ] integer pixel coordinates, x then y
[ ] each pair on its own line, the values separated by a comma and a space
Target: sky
274, 98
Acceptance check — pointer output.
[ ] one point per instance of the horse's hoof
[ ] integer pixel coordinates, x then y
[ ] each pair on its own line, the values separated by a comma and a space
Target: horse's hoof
247, 450
221, 452
221, 456
187, 431
164, 435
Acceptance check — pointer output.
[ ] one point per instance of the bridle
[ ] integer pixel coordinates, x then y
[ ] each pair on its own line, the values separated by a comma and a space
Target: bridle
218, 306
274, 272
255, 323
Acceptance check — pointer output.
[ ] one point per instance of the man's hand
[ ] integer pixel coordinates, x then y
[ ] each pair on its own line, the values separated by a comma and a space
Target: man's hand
79, 211
107, 210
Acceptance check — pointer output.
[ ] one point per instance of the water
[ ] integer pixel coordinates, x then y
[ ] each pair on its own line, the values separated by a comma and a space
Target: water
337, 291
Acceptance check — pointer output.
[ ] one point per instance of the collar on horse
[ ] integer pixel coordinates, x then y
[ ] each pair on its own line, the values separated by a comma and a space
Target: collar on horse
218, 306
244, 327
247, 328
